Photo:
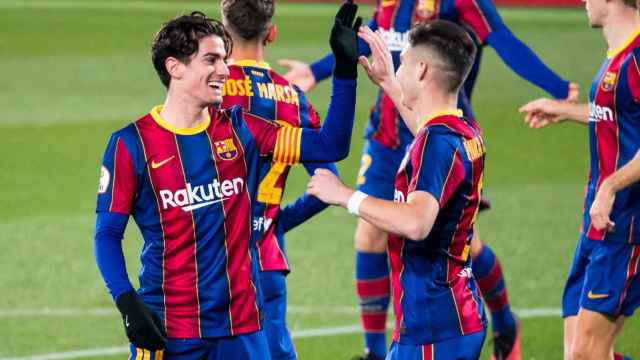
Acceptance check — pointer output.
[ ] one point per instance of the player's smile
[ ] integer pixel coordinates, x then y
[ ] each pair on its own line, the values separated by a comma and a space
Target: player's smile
217, 86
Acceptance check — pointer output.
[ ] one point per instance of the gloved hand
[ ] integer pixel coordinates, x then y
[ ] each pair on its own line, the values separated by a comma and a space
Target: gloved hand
344, 41
143, 327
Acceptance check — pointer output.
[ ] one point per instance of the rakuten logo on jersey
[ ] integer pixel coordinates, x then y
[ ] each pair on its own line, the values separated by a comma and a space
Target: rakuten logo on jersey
396, 41
200, 196
599, 113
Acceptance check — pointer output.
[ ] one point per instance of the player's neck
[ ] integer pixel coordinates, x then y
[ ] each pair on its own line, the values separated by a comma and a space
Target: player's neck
428, 106
182, 112
621, 23
243, 50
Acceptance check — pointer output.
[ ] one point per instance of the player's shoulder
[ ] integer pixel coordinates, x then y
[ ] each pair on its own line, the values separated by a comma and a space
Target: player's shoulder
128, 133
633, 58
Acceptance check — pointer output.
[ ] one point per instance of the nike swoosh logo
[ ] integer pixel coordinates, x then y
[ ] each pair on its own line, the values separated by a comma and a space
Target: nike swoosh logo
155, 165
126, 321
593, 296
198, 206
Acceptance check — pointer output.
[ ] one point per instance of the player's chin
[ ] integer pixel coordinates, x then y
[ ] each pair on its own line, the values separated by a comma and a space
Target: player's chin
215, 99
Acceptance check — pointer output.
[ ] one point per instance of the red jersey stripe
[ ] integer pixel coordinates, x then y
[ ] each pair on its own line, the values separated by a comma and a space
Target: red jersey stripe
243, 307
180, 268
124, 180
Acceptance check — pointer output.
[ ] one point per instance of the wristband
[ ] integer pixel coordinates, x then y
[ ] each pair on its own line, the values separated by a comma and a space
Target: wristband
353, 204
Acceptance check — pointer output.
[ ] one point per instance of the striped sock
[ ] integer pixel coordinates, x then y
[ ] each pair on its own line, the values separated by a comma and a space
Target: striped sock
374, 291
487, 269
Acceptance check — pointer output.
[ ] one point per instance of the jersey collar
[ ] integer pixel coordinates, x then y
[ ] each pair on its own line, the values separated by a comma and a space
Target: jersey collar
202, 125
451, 112
615, 52
251, 63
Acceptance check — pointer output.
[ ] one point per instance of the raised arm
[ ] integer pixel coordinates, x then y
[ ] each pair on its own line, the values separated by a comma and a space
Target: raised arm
381, 72
481, 16
306, 76
331, 143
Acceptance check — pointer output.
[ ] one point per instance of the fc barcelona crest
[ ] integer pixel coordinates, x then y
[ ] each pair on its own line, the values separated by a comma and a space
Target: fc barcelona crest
426, 8
609, 81
226, 149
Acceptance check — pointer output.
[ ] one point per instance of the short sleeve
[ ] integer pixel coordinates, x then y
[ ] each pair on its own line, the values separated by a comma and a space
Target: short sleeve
118, 181
438, 166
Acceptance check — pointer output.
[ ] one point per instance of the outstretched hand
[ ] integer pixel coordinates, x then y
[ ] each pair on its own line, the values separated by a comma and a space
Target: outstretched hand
298, 73
327, 187
380, 69
542, 112
344, 41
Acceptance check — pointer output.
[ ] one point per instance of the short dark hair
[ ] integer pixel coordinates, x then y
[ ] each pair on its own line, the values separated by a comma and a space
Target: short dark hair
179, 38
631, 3
249, 19
453, 46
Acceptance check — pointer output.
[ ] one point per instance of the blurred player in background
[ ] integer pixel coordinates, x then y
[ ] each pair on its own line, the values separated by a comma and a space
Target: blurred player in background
188, 173
263, 93
387, 136
439, 314
603, 287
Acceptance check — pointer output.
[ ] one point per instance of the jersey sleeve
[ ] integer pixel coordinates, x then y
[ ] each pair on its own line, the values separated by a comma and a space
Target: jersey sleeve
280, 142
438, 165
118, 180
480, 16
293, 145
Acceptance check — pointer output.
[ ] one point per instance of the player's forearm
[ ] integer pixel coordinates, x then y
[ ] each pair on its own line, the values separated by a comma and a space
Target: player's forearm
397, 218
332, 142
575, 112
393, 90
524, 62
108, 252
623, 177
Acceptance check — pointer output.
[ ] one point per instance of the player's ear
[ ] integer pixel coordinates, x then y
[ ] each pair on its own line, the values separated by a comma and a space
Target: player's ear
271, 34
174, 67
423, 68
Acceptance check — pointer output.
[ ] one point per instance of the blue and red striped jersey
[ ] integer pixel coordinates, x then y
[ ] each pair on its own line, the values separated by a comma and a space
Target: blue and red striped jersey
263, 92
614, 138
434, 293
190, 192
394, 19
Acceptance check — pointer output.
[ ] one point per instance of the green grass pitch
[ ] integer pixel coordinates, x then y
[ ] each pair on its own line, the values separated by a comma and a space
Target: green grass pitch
74, 71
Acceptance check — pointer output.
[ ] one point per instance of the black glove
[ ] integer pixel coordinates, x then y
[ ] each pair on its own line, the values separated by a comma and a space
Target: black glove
344, 41
143, 327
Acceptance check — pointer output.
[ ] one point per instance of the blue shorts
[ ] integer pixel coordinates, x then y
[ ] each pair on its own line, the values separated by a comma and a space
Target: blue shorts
274, 291
378, 169
241, 347
466, 347
603, 278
